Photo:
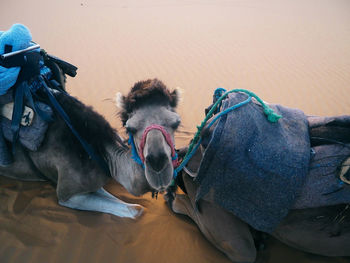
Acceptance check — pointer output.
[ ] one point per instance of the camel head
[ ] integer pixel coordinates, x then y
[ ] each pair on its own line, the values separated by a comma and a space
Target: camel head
148, 114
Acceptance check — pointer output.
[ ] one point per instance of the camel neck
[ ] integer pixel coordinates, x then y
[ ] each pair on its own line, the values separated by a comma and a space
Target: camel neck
123, 169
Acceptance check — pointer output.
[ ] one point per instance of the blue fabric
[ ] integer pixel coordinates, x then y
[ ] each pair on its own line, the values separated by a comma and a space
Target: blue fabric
134, 155
255, 168
19, 37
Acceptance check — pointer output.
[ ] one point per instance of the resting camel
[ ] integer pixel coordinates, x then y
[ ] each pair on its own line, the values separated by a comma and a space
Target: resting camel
79, 179
80, 151
322, 230
318, 230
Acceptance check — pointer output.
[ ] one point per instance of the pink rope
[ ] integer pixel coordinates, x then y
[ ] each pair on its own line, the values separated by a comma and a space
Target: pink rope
167, 137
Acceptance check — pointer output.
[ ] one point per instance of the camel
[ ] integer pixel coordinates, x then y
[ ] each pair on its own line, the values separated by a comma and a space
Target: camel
78, 179
55, 137
316, 230
321, 230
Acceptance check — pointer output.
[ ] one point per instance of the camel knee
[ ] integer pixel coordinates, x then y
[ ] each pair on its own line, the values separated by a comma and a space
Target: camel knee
238, 250
228, 233
182, 205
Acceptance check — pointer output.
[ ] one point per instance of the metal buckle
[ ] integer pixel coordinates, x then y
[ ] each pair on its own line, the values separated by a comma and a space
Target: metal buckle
13, 53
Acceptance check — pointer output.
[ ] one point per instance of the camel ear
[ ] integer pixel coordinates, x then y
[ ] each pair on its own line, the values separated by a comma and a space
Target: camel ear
119, 100
176, 96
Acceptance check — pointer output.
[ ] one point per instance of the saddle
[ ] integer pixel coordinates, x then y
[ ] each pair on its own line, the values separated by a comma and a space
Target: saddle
28, 76
259, 171
33, 77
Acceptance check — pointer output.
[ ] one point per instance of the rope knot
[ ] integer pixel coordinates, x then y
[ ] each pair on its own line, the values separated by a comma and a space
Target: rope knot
271, 115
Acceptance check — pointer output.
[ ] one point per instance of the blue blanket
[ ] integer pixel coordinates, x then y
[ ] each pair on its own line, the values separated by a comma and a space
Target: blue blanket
19, 37
255, 168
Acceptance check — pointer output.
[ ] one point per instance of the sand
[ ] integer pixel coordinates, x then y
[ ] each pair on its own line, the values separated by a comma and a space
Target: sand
295, 53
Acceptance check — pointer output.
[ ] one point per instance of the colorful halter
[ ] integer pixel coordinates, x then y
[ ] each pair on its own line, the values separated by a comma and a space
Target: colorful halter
139, 157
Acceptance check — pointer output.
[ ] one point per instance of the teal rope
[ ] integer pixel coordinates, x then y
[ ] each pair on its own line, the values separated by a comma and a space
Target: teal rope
271, 117
189, 154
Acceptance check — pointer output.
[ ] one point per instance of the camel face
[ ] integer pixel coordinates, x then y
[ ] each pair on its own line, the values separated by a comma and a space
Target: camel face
155, 145
148, 114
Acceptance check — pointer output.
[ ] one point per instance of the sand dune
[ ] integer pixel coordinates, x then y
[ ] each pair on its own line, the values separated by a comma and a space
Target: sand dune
291, 52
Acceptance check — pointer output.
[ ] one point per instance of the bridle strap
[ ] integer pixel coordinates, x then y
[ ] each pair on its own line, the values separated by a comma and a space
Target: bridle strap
167, 137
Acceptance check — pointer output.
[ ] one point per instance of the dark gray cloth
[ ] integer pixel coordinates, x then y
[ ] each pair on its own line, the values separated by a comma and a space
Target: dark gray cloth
256, 168
31, 136
327, 130
323, 186
330, 139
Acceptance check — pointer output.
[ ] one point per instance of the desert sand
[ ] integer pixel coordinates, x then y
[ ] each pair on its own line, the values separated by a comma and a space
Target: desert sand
292, 52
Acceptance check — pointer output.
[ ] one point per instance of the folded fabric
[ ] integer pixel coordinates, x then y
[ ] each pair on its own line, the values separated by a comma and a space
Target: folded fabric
330, 139
254, 168
18, 37
323, 186
31, 136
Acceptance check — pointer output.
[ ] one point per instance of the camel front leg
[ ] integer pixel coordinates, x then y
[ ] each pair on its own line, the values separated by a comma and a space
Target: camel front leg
224, 230
102, 201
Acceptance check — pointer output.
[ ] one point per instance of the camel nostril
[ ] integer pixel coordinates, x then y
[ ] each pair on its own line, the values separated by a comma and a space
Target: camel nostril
157, 162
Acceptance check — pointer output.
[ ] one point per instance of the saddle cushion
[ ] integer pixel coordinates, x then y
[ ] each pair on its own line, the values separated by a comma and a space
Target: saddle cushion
255, 168
29, 136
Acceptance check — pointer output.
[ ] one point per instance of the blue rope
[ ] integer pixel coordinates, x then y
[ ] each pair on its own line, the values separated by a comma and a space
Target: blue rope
187, 159
134, 155
87, 147
222, 113
219, 92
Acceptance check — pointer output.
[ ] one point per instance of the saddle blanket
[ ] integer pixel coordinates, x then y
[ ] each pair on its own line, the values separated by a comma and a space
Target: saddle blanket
330, 141
29, 136
254, 167
259, 170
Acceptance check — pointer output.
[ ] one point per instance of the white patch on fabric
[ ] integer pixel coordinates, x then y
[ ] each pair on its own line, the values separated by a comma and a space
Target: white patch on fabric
6, 110
344, 170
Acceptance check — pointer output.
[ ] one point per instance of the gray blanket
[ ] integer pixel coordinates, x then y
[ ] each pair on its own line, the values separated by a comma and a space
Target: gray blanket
31, 136
330, 141
255, 168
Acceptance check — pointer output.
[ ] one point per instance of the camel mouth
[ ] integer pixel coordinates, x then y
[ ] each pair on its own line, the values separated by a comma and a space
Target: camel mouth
159, 180
158, 154
157, 167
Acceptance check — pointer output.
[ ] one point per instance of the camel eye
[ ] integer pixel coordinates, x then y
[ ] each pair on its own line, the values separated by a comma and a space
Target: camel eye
175, 124
130, 129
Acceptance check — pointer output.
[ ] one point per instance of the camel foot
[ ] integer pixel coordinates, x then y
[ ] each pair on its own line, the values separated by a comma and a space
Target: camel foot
102, 201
